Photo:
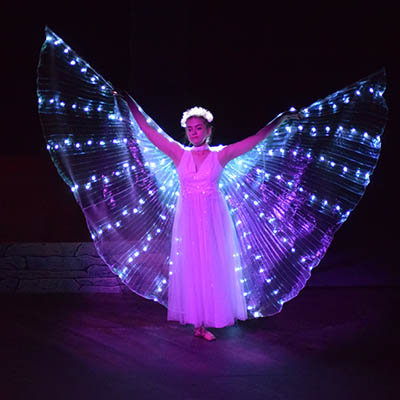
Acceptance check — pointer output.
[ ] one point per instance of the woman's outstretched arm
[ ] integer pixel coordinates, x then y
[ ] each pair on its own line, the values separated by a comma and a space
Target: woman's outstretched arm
234, 150
170, 147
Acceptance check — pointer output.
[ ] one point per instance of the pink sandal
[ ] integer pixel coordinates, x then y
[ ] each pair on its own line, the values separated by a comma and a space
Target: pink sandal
198, 333
208, 336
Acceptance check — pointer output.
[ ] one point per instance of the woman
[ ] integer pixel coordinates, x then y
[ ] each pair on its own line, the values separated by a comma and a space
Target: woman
205, 281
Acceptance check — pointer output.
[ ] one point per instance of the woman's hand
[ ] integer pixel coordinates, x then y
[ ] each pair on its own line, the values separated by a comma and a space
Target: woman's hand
288, 116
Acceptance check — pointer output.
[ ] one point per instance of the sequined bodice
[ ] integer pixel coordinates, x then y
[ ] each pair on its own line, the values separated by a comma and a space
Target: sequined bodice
201, 181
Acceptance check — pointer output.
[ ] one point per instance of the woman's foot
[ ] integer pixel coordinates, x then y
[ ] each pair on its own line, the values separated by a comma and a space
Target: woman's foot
202, 332
208, 336
198, 332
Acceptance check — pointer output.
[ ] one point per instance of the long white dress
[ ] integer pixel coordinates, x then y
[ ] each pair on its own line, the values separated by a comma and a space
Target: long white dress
204, 275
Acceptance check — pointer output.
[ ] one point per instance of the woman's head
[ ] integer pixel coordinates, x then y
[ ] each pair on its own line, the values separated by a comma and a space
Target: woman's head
197, 124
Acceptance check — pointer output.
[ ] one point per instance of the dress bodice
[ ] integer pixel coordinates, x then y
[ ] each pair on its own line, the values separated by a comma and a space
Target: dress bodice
201, 181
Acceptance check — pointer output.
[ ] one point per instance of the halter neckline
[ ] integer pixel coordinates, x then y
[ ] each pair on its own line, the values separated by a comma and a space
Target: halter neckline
200, 148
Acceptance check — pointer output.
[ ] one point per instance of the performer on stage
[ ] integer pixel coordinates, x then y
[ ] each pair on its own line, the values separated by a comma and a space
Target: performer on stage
213, 233
205, 279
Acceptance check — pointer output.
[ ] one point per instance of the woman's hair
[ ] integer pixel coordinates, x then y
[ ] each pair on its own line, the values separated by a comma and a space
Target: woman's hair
197, 112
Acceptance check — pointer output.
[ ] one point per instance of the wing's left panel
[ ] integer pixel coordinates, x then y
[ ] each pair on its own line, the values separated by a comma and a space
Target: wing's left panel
127, 188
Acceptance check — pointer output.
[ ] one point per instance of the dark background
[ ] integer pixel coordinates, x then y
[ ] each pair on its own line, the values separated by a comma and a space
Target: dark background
246, 62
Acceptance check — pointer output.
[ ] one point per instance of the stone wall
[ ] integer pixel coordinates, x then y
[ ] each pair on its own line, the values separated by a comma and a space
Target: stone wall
55, 267
77, 268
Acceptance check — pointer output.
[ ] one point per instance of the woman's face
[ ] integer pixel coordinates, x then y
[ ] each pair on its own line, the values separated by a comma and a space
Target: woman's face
197, 131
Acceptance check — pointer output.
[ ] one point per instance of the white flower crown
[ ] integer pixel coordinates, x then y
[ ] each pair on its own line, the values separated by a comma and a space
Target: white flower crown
196, 112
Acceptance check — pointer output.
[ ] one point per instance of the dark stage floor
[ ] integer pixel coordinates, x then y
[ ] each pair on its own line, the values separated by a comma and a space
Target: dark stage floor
337, 343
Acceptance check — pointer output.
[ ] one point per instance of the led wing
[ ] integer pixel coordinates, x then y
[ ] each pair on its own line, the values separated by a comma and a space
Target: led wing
126, 187
290, 194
